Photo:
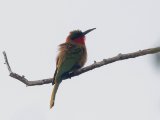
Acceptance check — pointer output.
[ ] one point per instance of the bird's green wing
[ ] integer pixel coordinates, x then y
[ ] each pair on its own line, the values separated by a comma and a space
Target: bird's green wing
67, 62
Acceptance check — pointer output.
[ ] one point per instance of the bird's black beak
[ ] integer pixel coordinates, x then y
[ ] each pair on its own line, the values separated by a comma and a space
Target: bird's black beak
87, 31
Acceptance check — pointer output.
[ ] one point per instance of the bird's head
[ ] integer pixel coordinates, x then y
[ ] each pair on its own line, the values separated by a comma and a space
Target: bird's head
77, 36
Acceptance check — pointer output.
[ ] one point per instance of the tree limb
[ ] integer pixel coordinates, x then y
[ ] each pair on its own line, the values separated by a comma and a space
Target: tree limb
82, 70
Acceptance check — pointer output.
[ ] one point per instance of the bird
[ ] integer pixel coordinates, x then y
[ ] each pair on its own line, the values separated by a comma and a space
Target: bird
71, 57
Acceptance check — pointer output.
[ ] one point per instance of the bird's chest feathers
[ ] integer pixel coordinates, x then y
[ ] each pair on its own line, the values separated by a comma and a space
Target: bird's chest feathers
73, 50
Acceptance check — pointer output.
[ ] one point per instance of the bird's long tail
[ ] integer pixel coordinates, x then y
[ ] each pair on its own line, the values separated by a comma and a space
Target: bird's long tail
56, 85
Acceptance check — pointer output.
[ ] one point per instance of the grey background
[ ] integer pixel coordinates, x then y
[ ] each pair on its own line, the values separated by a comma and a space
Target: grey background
30, 32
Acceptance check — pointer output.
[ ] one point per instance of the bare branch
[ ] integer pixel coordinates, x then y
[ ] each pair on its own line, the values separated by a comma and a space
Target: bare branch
22, 78
82, 70
6, 62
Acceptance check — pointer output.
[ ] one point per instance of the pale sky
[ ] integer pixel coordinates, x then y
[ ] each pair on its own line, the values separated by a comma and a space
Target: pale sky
30, 32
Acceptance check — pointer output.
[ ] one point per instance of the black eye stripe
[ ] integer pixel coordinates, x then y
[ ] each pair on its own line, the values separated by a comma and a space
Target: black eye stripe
75, 36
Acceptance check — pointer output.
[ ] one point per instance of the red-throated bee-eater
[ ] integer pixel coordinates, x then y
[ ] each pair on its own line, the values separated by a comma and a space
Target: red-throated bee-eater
72, 56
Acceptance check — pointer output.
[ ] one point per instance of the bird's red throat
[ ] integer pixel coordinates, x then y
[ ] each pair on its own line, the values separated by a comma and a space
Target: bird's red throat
80, 40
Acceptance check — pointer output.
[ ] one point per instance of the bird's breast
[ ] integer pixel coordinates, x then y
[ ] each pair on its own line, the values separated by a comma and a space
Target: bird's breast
83, 57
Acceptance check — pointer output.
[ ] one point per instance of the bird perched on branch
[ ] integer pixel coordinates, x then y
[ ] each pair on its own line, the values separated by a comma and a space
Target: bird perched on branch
72, 56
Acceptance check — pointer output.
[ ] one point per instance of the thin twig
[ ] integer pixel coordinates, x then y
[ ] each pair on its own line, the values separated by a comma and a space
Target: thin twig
82, 70
6, 62
22, 77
